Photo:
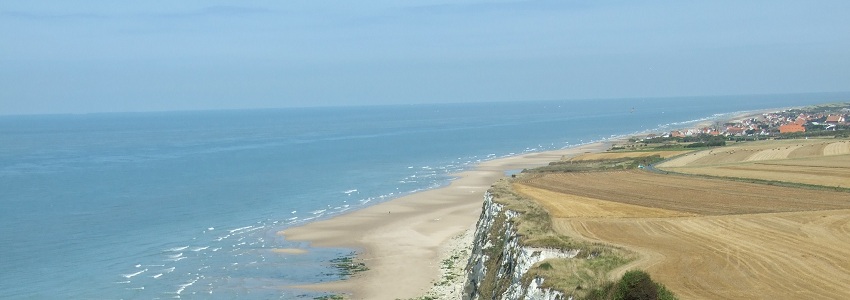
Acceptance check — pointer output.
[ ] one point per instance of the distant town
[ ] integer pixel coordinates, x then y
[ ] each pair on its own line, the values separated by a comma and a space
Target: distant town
816, 120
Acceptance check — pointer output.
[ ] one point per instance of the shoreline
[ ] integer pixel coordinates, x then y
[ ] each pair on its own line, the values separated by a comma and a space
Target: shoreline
403, 241
400, 240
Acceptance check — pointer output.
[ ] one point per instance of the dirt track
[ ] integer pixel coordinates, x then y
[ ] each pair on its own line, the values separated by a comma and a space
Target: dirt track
764, 256
689, 194
707, 238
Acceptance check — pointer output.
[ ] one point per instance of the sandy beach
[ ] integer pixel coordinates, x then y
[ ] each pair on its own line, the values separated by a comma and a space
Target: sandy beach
401, 240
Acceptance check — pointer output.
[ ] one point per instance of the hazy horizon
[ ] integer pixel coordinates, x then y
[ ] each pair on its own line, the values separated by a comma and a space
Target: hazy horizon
90, 57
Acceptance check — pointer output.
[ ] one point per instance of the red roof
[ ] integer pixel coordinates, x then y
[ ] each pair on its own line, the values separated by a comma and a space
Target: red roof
835, 119
788, 128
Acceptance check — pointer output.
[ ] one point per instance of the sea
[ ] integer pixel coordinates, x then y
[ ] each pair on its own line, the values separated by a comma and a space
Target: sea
169, 205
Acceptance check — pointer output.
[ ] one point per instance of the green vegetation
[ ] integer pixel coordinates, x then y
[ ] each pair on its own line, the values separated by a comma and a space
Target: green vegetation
597, 165
816, 132
701, 138
348, 265
585, 276
534, 228
706, 144
329, 297
634, 285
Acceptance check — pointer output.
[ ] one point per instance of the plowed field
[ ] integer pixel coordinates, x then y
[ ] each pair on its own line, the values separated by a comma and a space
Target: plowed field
709, 238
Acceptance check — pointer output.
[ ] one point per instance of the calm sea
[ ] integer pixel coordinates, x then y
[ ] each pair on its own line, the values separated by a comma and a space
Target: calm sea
187, 204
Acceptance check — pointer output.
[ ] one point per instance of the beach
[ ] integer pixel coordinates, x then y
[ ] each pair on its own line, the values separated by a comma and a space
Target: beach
403, 241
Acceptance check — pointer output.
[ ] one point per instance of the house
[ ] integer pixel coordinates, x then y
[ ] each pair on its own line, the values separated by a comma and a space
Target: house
677, 134
834, 119
736, 131
793, 127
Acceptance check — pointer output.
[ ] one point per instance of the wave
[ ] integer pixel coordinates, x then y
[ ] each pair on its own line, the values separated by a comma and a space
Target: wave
185, 285
131, 275
176, 249
240, 229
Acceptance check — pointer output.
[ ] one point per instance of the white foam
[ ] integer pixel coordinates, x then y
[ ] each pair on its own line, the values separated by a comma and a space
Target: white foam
176, 259
316, 212
176, 249
176, 255
348, 192
136, 288
196, 249
131, 275
211, 228
156, 276
169, 270
185, 285
122, 282
239, 229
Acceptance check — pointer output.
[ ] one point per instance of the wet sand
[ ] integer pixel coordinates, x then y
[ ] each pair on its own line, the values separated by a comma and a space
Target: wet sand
401, 240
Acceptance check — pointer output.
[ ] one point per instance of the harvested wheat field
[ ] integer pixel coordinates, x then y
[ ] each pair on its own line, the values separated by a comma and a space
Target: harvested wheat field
709, 238
618, 155
815, 162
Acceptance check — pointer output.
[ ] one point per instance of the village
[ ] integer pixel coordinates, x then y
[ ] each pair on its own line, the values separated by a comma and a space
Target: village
814, 120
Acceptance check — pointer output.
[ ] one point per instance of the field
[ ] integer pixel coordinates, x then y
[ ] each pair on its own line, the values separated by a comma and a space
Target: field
708, 238
814, 162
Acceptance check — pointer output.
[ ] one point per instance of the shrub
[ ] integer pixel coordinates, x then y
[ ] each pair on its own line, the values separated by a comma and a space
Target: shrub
636, 285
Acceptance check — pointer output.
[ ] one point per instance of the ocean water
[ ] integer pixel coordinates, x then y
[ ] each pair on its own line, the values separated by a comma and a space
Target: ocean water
187, 204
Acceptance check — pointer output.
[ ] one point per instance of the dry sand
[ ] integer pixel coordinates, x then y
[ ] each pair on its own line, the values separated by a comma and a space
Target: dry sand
401, 241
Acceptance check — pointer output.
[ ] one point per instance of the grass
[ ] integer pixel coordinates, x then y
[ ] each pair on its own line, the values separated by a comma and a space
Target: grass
534, 228
624, 163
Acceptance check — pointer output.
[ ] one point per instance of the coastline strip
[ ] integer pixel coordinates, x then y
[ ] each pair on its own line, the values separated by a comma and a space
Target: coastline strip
400, 240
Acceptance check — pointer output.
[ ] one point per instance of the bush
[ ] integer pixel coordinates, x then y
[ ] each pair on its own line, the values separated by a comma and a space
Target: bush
636, 285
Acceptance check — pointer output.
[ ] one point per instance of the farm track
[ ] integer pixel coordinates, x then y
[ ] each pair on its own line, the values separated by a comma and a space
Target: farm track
687, 194
800, 255
712, 238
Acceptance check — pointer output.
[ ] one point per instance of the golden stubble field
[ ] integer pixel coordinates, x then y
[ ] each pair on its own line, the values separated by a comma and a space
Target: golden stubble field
709, 238
824, 162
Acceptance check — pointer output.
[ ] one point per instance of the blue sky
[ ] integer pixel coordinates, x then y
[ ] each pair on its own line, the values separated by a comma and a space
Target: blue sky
99, 56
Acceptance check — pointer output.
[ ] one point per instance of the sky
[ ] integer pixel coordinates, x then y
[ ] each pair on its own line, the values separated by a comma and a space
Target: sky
157, 55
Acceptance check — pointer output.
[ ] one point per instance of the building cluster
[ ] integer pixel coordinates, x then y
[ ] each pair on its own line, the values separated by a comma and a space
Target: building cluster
772, 124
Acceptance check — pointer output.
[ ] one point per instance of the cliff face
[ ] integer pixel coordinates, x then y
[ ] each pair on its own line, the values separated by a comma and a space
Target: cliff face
498, 264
